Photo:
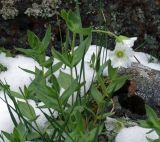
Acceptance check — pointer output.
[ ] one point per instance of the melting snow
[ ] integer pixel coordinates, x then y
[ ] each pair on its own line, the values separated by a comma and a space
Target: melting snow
135, 134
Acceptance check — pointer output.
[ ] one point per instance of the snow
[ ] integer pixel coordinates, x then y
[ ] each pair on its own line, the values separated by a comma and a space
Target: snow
144, 59
135, 134
16, 78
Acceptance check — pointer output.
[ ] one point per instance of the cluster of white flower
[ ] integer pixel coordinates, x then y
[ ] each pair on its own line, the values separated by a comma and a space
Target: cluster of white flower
8, 10
123, 52
46, 9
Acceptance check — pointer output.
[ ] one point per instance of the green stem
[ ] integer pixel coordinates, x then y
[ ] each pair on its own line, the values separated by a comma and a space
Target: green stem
72, 51
71, 71
73, 43
105, 32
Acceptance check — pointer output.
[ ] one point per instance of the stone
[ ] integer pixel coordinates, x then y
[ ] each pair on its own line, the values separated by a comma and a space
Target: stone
148, 84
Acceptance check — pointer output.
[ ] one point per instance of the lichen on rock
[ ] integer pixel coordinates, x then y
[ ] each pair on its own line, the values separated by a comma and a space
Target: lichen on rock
37, 8
8, 10
46, 9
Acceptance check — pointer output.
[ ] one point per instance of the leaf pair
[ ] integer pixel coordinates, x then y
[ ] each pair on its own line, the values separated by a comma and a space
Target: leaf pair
152, 122
73, 22
116, 81
38, 47
71, 60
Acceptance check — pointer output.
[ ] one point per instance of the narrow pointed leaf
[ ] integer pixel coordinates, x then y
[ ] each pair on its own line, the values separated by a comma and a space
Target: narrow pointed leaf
47, 38
81, 50
27, 110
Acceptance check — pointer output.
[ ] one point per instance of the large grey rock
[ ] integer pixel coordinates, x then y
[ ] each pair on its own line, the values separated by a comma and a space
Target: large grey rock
148, 83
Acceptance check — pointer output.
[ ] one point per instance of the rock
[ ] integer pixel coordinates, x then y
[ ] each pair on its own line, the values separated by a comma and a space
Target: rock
148, 84
137, 18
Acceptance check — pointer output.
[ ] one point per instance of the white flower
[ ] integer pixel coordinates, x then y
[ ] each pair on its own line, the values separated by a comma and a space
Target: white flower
127, 42
121, 56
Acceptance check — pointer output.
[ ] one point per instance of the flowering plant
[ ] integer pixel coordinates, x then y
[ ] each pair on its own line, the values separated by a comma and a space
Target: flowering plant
122, 54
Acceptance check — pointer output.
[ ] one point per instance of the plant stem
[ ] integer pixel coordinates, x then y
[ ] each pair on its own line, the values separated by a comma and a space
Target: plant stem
72, 52
73, 43
105, 32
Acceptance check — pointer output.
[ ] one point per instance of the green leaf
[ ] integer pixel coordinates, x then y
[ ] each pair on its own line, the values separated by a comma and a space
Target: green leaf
16, 95
69, 91
93, 60
20, 133
65, 80
152, 122
38, 48
115, 85
150, 113
84, 31
28, 71
48, 96
150, 140
33, 40
81, 50
48, 63
104, 115
102, 84
112, 72
47, 38
32, 136
73, 22
49, 101
27, 110
53, 80
61, 57
7, 52
28, 52
102, 67
64, 14
153, 119
8, 136
39, 80
53, 69
97, 96
145, 123
92, 135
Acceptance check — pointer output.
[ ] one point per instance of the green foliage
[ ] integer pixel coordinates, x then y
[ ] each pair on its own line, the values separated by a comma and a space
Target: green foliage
19, 134
116, 80
6, 51
65, 80
2, 68
73, 22
38, 47
152, 121
76, 120
72, 59
27, 110
97, 96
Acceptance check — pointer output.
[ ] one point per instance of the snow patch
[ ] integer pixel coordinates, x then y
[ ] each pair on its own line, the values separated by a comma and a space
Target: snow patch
135, 134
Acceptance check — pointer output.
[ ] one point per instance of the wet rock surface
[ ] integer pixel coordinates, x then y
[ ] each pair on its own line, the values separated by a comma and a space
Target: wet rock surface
148, 86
